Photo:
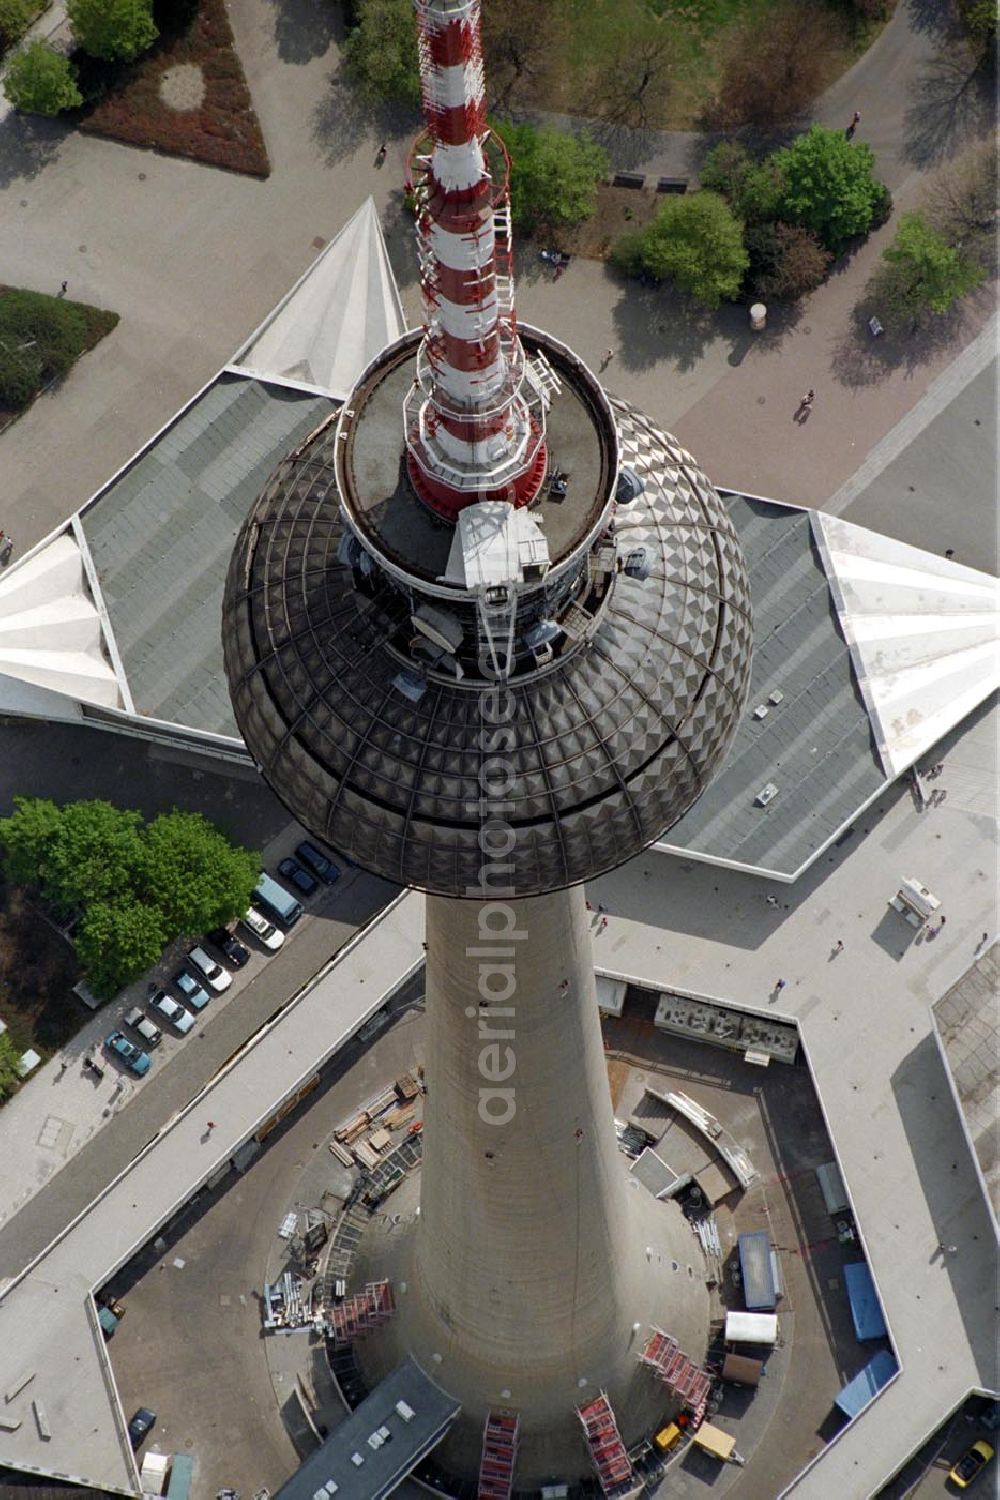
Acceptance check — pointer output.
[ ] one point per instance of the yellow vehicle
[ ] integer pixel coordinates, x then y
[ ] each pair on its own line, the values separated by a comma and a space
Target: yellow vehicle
667, 1438
971, 1464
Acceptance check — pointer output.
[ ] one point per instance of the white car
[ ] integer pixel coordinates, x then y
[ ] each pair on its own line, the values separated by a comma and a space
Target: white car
173, 1011
215, 976
264, 931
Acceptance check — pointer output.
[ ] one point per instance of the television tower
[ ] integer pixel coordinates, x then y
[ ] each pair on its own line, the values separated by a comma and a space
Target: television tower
490, 652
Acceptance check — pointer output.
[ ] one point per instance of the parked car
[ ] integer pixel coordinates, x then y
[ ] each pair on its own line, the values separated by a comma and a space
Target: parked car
215, 975
137, 1061
172, 1010
141, 1425
195, 995
264, 931
151, 1035
317, 863
300, 878
972, 1463
230, 946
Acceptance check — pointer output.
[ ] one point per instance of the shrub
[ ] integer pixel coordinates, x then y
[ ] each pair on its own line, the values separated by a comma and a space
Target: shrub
15, 18
554, 176
117, 30
20, 376
786, 261
828, 186
40, 81
696, 242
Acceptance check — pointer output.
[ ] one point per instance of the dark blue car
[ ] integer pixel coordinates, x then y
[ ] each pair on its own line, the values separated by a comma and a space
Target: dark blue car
317, 863
298, 875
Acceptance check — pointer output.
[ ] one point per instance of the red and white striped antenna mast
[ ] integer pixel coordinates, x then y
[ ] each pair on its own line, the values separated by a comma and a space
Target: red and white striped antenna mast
475, 418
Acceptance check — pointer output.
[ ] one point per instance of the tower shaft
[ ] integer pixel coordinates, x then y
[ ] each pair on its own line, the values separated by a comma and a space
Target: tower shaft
519, 1144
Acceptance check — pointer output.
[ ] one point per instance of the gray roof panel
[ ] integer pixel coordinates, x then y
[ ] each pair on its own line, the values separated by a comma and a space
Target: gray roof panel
161, 536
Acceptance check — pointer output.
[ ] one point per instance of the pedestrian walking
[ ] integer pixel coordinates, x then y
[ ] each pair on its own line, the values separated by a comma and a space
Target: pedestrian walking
608, 356
806, 402
779, 986
838, 946
381, 154
984, 940
855, 122
943, 921
604, 923
211, 1125
949, 552
62, 289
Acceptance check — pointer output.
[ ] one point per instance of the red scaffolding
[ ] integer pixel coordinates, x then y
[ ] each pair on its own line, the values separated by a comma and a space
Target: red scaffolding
365, 1310
689, 1383
607, 1451
496, 1467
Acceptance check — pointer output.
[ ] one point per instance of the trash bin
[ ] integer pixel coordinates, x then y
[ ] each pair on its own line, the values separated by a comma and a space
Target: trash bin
758, 317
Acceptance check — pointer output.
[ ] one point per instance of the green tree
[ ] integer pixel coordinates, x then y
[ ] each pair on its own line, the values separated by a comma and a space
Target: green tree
381, 52
195, 878
752, 188
41, 81
923, 272
98, 856
117, 941
960, 202
696, 242
15, 18
28, 837
118, 30
553, 177
828, 186
10, 1077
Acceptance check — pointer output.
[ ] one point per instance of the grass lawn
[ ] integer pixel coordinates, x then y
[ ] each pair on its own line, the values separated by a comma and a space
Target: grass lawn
684, 43
41, 338
187, 97
38, 970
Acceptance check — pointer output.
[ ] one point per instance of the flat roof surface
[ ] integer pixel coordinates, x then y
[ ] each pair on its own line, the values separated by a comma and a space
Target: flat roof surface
967, 1021
433, 1412
162, 533
384, 504
816, 745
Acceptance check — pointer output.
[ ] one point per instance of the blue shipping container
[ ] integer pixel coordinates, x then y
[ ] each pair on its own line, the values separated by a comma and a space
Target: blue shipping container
865, 1310
866, 1384
759, 1293
181, 1469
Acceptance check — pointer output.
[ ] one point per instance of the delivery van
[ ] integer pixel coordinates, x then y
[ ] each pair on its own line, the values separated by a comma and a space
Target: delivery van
276, 902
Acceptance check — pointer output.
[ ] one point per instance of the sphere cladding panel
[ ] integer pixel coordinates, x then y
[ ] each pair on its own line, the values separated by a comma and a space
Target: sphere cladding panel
603, 752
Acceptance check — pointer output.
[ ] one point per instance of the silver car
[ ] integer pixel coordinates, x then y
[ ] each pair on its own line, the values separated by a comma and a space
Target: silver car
151, 1035
213, 973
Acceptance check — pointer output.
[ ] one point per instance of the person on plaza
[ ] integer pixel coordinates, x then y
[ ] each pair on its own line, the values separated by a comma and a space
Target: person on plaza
779, 986
838, 946
609, 355
806, 402
855, 122
381, 154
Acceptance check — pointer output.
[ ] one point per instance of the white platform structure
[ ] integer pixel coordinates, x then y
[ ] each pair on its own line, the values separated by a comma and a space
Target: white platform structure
335, 318
924, 633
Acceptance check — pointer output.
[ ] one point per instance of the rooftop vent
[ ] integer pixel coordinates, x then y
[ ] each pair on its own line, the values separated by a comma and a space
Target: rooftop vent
776, 697
405, 1411
639, 564
411, 685
766, 794
760, 712
629, 486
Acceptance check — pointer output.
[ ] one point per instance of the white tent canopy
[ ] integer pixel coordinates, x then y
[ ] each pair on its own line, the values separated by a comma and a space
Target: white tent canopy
336, 318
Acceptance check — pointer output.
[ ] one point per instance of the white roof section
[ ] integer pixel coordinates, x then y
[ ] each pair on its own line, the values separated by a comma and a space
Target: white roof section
342, 312
924, 635
494, 543
52, 635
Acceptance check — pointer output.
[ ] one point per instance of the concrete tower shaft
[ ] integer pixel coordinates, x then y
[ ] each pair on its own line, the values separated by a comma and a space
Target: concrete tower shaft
471, 434
529, 1168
